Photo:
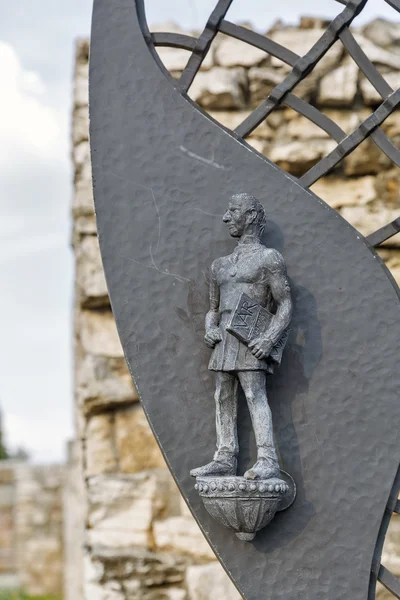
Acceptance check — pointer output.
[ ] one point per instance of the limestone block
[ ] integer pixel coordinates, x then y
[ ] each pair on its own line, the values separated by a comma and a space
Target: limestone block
138, 568
261, 81
391, 259
90, 277
234, 53
366, 159
376, 54
388, 188
339, 87
81, 155
298, 42
83, 204
339, 192
103, 383
299, 156
136, 446
257, 144
220, 88
95, 588
301, 128
368, 219
121, 508
231, 119
98, 333
100, 451
80, 125
210, 581
81, 84
383, 33
182, 534
42, 566
370, 96
392, 125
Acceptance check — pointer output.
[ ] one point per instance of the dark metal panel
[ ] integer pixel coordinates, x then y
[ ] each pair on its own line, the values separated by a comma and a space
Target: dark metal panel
162, 174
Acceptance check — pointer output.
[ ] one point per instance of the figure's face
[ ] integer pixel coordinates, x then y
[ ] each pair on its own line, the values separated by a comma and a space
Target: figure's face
237, 217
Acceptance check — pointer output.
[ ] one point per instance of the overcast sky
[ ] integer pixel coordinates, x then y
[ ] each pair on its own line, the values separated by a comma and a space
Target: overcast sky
36, 269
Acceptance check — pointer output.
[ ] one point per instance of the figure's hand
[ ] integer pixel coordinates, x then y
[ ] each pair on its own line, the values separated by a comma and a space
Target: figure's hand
261, 347
212, 337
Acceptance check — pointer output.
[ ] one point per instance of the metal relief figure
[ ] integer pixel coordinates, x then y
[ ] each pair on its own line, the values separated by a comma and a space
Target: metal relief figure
260, 274
247, 328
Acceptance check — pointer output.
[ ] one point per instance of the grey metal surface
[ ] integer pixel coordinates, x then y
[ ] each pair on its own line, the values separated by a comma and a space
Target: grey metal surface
163, 172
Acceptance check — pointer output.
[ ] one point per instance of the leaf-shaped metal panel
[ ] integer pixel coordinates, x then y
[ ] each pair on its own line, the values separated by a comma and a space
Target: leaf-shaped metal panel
163, 173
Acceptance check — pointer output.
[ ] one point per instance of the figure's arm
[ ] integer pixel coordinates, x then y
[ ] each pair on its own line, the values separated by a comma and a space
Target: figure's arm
279, 285
213, 334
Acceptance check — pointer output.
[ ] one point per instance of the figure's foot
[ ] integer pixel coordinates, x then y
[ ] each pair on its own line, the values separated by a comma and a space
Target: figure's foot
219, 467
265, 468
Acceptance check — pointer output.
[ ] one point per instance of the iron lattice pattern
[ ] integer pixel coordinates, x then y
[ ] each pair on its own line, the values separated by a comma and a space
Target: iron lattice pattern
284, 94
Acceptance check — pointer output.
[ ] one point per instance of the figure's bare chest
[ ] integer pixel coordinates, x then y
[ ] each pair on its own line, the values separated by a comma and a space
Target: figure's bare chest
246, 268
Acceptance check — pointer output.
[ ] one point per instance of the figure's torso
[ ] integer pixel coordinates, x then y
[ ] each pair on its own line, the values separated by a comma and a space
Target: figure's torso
244, 271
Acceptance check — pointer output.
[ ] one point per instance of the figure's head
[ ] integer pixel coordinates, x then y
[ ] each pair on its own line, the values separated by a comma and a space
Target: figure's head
245, 215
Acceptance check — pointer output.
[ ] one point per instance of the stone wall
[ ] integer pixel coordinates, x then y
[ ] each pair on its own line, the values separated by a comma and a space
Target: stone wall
140, 540
31, 528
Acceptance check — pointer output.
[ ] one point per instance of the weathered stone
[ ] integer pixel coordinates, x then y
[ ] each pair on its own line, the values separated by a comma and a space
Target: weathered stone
174, 59
103, 383
136, 446
138, 568
81, 84
296, 41
234, 53
299, 156
100, 452
366, 159
339, 192
339, 87
261, 81
122, 508
368, 219
210, 581
83, 204
90, 277
81, 155
376, 54
231, 119
73, 523
257, 144
370, 95
182, 534
300, 128
80, 125
383, 33
308, 22
98, 333
387, 186
391, 259
38, 522
220, 88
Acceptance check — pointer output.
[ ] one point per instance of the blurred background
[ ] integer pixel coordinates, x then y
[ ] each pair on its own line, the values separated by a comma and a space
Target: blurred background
70, 424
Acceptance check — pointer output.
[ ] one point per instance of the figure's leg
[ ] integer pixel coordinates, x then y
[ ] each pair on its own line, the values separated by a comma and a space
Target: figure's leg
254, 386
225, 458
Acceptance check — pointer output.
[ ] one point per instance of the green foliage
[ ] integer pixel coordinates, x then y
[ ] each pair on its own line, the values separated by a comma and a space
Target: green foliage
15, 595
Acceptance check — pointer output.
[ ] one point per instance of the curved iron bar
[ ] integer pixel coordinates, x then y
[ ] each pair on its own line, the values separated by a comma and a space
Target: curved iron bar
173, 40
390, 582
351, 142
302, 68
384, 233
394, 4
366, 66
203, 44
315, 116
259, 41
386, 145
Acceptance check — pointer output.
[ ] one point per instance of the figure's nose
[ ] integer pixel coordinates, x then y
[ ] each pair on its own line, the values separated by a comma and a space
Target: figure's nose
226, 217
